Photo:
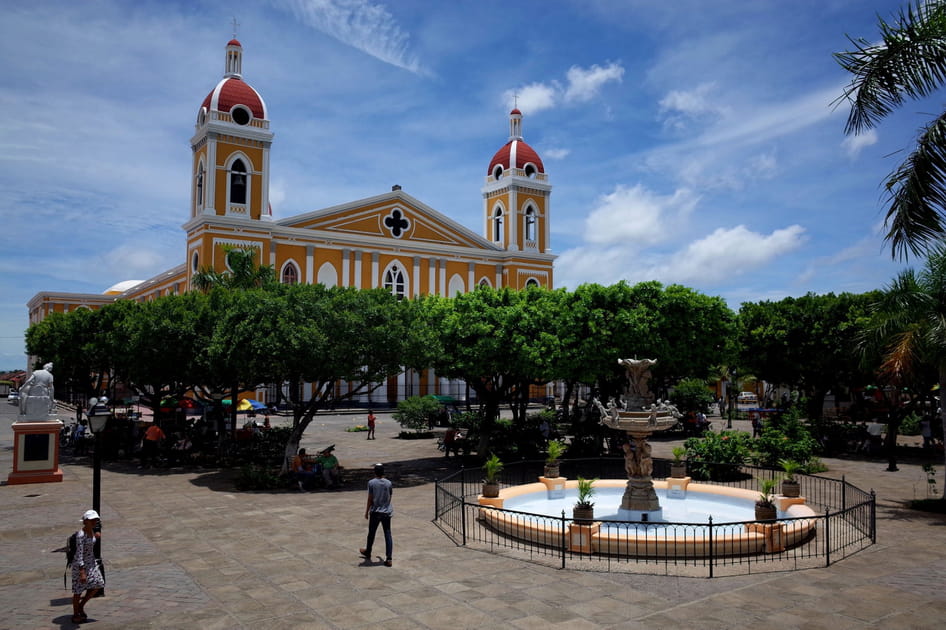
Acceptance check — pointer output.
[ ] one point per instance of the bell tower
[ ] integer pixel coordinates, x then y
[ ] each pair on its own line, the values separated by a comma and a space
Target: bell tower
516, 195
231, 143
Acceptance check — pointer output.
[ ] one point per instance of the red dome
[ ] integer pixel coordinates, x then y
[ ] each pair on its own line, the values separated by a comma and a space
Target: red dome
518, 150
233, 91
234, 42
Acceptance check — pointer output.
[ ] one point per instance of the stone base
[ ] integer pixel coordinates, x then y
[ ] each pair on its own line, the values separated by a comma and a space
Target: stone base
774, 542
677, 487
580, 536
783, 502
36, 452
639, 495
554, 485
496, 502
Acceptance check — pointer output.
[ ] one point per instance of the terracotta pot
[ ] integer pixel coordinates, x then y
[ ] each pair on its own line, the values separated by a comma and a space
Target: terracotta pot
791, 488
490, 490
765, 512
583, 513
678, 470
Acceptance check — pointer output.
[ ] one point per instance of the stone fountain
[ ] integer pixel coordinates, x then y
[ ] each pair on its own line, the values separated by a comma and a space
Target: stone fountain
639, 416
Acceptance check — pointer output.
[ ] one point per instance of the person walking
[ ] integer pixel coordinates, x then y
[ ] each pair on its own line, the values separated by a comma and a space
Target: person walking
371, 422
87, 579
149, 445
378, 511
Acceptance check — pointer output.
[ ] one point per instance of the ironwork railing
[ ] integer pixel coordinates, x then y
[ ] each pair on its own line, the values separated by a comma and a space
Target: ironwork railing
844, 522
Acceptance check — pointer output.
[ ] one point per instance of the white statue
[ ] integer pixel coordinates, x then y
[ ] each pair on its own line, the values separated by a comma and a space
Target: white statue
37, 395
638, 373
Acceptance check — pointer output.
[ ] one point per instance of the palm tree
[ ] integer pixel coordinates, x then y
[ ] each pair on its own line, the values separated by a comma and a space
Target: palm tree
909, 323
908, 63
244, 273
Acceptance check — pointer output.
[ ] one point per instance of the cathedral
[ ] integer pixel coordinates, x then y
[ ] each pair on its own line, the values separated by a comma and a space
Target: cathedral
390, 240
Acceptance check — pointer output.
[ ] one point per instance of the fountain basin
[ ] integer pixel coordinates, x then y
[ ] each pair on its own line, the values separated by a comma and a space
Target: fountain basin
728, 536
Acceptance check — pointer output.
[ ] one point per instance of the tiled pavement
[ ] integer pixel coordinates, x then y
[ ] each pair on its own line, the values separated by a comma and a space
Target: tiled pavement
184, 550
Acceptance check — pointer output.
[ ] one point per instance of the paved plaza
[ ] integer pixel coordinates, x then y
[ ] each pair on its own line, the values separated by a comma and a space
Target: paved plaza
183, 549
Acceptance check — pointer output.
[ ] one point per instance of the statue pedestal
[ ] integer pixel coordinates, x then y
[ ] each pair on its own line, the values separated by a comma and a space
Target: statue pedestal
35, 452
555, 486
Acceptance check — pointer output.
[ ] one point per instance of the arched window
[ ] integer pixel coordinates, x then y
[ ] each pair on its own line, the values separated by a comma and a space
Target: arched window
238, 182
498, 225
290, 275
532, 282
199, 202
327, 275
530, 225
484, 282
394, 281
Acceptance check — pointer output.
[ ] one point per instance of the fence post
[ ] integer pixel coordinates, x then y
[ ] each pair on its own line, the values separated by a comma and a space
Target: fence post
564, 539
463, 519
827, 537
712, 557
843, 494
873, 517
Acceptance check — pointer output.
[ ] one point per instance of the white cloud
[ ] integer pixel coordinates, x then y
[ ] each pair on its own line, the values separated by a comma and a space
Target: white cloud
680, 107
532, 98
636, 215
712, 260
361, 24
555, 154
583, 85
727, 252
853, 145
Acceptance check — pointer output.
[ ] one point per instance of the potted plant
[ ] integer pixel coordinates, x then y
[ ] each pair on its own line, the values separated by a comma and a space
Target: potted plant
678, 468
584, 509
555, 450
764, 507
491, 469
790, 486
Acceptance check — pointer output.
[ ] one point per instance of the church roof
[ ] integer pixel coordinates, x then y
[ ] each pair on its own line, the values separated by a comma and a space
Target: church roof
232, 91
516, 154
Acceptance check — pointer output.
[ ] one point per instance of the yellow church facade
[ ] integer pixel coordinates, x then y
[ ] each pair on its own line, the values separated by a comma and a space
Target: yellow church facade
391, 240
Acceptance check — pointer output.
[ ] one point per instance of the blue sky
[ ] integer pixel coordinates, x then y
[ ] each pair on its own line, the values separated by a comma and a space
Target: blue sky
689, 141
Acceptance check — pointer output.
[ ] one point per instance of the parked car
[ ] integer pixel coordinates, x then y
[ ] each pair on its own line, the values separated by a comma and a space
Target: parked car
13, 398
747, 398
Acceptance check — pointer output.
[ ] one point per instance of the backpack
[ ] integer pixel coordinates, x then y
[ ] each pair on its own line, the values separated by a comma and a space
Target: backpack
70, 549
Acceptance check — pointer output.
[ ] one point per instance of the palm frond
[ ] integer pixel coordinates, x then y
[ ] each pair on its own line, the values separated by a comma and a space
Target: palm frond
901, 356
910, 62
917, 195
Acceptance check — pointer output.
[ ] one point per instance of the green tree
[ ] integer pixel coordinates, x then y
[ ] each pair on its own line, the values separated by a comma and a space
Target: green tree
909, 325
909, 62
809, 343
499, 341
244, 271
340, 342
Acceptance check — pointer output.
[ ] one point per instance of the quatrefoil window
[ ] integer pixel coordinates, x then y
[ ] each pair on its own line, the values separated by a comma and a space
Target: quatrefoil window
396, 223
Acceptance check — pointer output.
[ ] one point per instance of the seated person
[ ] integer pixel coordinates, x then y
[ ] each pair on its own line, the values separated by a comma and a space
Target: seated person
329, 465
303, 469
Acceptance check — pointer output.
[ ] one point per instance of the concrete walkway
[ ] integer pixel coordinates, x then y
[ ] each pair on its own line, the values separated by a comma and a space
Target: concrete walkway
185, 550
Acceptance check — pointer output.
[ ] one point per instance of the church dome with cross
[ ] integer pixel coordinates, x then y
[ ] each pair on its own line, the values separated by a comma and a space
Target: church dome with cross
232, 95
515, 154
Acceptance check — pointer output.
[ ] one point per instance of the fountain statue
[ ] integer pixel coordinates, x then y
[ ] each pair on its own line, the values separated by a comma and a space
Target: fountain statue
639, 418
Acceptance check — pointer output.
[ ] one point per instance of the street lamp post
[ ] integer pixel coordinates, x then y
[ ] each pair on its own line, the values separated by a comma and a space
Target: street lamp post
98, 415
732, 398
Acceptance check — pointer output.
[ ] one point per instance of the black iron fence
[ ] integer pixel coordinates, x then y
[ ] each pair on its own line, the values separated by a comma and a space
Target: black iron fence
844, 522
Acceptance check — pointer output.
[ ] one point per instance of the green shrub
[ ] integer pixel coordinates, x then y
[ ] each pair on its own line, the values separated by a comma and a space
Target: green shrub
691, 394
910, 425
717, 456
254, 477
784, 438
417, 412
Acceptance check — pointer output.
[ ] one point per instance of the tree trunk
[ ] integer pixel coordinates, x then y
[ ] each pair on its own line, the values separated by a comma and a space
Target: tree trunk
942, 414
